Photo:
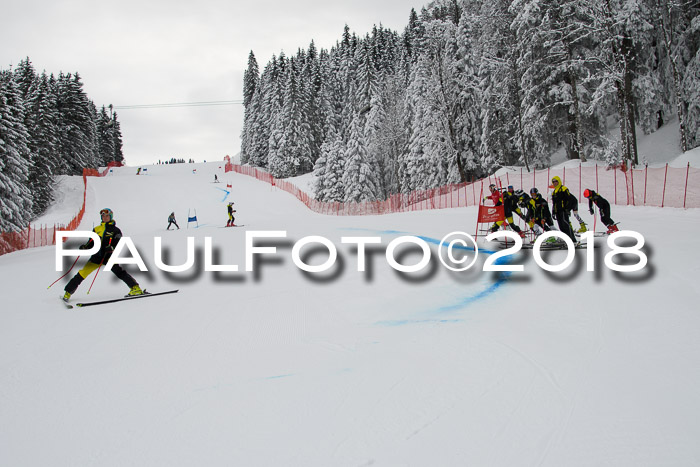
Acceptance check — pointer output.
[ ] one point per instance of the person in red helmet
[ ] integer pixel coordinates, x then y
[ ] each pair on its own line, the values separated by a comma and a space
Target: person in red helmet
109, 237
603, 207
494, 196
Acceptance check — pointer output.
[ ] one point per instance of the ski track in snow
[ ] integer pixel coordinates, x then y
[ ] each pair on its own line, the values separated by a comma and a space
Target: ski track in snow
511, 369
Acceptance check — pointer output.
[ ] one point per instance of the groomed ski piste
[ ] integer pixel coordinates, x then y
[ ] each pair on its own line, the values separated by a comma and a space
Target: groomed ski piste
278, 367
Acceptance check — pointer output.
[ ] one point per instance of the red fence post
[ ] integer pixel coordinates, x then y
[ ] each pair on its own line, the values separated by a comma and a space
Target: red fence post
685, 194
596, 177
646, 176
631, 178
663, 194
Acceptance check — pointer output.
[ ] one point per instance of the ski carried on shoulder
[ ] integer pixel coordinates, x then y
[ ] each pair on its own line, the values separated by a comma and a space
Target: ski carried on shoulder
544, 245
595, 234
114, 300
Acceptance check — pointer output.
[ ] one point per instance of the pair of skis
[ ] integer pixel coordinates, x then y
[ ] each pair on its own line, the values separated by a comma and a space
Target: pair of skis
114, 300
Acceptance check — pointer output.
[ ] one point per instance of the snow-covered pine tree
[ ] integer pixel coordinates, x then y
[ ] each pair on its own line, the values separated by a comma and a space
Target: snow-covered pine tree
105, 137
24, 76
290, 150
15, 157
678, 28
503, 140
329, 170
251, 77
77, 125
547, 95
42, 124
251, 81
117, 135
312, 76
617, 27
358, 179
691, 98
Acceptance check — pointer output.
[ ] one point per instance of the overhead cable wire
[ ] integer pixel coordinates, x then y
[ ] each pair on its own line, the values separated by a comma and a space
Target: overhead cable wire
177, 104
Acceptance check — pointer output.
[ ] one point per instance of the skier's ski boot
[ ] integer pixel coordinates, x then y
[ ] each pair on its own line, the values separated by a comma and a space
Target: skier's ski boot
582, 229
66, 297
551, 240
612, 229
136, 290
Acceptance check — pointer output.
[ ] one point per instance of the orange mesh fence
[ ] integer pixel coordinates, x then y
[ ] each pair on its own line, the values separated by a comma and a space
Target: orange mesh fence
45, 235
662, 187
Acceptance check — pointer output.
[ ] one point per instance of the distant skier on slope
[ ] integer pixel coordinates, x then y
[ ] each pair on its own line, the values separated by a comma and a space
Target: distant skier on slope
603, 206
110, 235
171, 221
231, 218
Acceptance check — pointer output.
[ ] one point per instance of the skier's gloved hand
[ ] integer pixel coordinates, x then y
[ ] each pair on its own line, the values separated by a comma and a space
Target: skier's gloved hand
591, 211
568, 213
109, 249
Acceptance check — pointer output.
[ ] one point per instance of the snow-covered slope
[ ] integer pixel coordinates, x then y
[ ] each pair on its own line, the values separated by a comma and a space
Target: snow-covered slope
280, 367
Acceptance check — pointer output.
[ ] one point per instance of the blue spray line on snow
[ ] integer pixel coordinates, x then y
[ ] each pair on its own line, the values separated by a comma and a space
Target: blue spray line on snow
501, 280
225, 191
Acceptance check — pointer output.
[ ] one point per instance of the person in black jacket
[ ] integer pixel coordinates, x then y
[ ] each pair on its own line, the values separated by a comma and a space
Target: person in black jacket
231, 217
563, 202
540, 219
109, 237
171, 221
510, 207
603, 207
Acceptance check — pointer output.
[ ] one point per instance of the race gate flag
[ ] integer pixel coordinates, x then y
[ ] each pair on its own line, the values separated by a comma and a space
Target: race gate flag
490, 214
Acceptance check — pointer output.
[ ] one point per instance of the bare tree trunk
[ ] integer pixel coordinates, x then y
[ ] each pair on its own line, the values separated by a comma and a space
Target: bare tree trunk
668, 42
577, 131
518, 107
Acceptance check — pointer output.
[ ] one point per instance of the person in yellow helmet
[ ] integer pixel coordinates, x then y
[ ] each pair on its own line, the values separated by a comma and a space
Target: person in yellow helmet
231, 218
110, 235
563, 202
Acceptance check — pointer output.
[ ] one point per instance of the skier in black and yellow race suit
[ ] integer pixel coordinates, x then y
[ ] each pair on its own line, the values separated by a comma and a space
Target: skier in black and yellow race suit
231, 218
110, 236
563, 202
510, 206
537, 213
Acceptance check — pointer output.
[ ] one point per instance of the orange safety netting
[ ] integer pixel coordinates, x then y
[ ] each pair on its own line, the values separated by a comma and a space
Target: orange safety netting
46, 234
662, 187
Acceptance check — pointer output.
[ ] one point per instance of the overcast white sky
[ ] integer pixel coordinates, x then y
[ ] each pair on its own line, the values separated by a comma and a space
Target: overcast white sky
159, 52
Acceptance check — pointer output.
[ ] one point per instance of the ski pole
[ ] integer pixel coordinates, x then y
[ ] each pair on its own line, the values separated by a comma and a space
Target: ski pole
595, 219
98, 268
69, 270
93, 279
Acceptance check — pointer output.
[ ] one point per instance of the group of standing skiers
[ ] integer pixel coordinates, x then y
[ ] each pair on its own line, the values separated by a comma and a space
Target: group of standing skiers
534, 209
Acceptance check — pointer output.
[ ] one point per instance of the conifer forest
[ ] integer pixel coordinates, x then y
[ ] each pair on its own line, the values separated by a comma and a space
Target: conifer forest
470, 86
48, 127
